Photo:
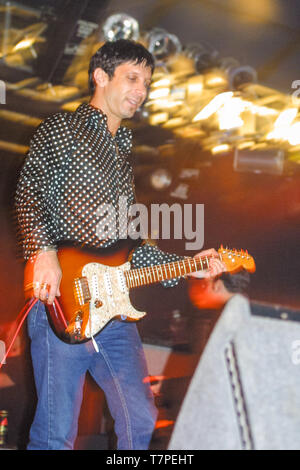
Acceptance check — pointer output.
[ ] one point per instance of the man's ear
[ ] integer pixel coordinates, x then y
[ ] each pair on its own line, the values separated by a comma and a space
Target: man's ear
218, 286
100, 77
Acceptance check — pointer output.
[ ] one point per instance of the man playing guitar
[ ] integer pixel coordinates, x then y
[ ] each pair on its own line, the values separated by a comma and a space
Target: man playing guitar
76, 162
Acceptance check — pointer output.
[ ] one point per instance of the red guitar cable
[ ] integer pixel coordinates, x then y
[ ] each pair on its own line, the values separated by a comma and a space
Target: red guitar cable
23, 316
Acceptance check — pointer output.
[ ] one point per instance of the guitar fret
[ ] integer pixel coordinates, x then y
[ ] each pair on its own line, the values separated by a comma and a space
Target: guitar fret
152, 274
181, 264
201, 264
128, 278
132, 279
142, 276
207, 262
136, 277
127, 275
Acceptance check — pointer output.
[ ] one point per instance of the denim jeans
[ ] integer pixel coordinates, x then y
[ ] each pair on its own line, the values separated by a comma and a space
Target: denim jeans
119, 368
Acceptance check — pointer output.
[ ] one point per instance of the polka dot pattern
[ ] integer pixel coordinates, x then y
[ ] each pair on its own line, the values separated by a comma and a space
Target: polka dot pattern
73, 167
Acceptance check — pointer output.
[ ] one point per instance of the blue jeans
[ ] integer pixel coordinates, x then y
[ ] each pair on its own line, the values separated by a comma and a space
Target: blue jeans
119, 368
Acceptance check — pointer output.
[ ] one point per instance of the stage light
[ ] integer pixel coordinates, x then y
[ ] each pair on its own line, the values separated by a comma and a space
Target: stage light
158, 118
213, 106
215, 78
221, 148
160, 179
282, 124
241, 75
194, 86
237, 74
24, 44
229, 114
121, 26
163, 44
293, 134
159, 93
269, 160
162, 82
203, 55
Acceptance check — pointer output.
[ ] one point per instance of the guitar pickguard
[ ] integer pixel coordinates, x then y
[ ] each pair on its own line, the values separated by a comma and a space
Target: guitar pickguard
109, 296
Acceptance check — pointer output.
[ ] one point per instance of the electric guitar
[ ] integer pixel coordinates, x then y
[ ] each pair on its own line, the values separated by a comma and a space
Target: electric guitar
92, 293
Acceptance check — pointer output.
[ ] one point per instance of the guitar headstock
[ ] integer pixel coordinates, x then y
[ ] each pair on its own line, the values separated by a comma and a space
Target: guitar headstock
235, 260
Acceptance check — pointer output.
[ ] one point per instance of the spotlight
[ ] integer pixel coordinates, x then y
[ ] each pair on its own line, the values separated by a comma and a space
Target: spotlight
238, 75
204, 55
241, 75
120, 26
269, 161
163, 44
160, 179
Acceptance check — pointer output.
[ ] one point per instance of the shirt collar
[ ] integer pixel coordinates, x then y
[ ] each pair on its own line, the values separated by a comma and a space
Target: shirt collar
123, 136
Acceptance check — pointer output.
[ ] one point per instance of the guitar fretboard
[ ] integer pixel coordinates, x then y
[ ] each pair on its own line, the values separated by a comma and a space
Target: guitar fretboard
152, 274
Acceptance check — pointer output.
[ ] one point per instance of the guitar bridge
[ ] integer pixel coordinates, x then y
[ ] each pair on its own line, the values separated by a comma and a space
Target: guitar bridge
81, 290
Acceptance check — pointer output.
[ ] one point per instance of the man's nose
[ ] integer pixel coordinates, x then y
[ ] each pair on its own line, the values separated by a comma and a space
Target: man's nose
141, 90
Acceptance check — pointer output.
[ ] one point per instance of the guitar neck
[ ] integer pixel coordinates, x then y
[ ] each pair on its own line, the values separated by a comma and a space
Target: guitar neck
152, 274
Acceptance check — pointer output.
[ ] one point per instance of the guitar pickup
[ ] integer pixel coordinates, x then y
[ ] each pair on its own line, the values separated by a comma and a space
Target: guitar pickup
81, 290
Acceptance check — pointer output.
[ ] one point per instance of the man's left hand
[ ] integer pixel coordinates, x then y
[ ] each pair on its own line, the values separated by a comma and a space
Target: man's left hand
216, 267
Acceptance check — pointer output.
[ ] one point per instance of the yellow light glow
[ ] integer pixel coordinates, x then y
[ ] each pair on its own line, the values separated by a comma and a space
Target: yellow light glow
282, 124
293, 135
262, 110
175, 122
158, 118
166, 104
229, 114
163, 82
215, 78
195, 85
213, 106
159, 93
19, 118
286, 117
246, 144
12, 147
212, 81
23, 44
222, 148
194, 88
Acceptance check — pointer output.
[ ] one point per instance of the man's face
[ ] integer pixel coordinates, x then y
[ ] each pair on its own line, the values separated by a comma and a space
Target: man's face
127, 90
204, 295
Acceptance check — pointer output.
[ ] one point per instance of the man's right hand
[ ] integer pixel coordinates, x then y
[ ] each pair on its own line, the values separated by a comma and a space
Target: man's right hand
46, 276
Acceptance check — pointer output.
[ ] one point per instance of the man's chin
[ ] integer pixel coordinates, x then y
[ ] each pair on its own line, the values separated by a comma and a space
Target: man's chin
131, 112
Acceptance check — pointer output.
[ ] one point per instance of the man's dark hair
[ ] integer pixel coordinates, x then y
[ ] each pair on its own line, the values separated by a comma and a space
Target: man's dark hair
236, 283
115, 53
